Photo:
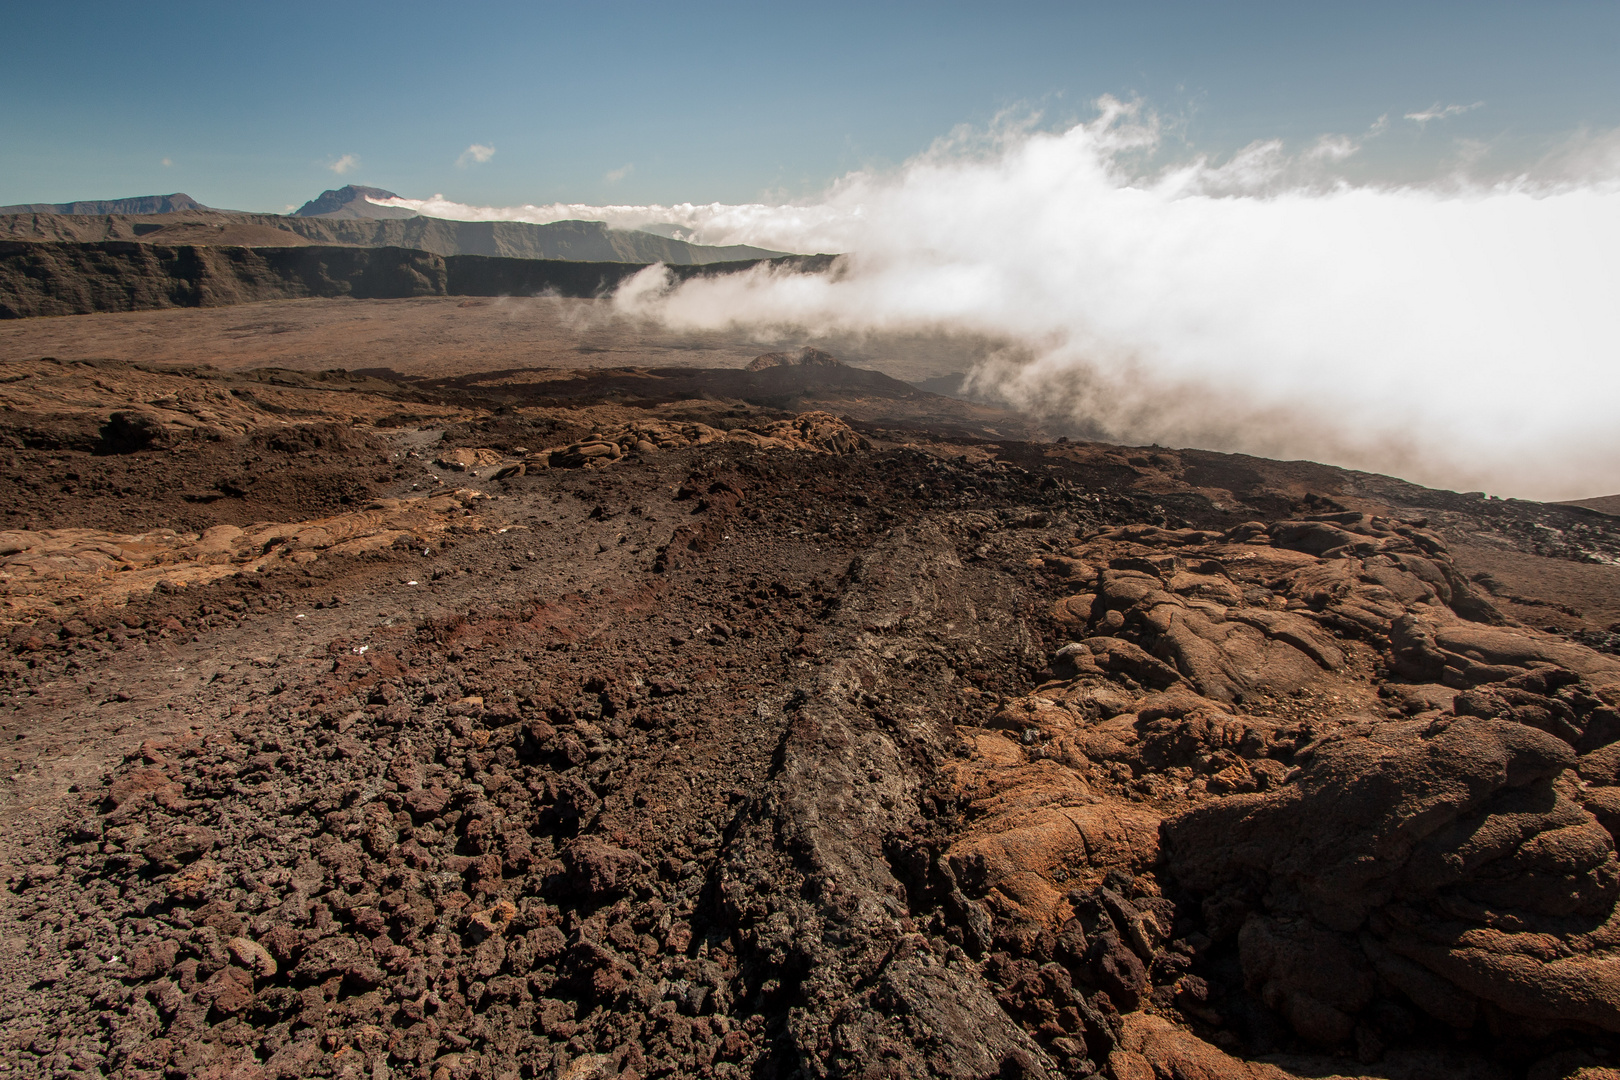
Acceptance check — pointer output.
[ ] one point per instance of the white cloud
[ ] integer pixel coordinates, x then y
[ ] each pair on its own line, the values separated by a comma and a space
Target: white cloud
1584, 157
1441, 112
613, 176
1333, 148
476, 154
1455, 334
345, 164
167, 163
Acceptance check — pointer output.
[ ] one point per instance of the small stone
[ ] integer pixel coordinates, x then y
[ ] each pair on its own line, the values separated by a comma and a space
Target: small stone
253, 956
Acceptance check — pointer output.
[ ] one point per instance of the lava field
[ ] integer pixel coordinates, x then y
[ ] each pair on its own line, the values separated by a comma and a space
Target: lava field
360, 726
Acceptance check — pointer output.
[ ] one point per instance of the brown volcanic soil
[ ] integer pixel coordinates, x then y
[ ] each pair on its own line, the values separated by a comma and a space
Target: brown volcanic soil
435, 337
718, 741
1605, 504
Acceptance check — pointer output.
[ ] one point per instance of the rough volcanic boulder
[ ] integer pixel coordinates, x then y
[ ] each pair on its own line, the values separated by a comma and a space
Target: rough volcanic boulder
820, 432
128, 431
1151, 1048
461, 458
1446, 856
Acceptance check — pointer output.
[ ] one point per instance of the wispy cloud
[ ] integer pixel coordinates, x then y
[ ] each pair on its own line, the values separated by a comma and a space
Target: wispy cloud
1438, 111
345, 164
1588, 158
613, 176
476, 154
167, 163
1333, 148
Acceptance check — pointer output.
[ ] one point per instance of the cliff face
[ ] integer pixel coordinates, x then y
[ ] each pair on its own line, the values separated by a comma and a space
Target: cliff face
481, 275
121, 275
583, 241
76, 279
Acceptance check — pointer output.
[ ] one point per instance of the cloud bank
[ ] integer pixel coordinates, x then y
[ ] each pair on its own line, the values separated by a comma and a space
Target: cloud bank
1456, 334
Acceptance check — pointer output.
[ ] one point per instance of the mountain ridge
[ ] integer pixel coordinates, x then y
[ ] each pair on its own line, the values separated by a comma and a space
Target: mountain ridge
344, 217
353, 201
588, 241
175, 203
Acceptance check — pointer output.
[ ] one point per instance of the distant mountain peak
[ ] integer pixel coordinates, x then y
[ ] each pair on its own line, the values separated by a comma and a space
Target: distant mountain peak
349, 201
805, 357
176, 203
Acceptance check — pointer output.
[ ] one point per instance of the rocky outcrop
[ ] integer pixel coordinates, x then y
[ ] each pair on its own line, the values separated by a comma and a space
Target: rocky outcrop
1309, 752
805, 357
463, 459
817, 432
104, 569
1443, 858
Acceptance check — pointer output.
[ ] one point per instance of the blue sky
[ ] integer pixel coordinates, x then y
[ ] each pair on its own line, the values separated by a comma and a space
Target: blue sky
252, 105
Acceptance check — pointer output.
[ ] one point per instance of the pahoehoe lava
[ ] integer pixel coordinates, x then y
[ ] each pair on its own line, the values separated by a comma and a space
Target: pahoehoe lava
773, 723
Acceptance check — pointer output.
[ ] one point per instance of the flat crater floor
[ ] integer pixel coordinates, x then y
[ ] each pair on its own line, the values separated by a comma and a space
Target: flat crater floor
438, 337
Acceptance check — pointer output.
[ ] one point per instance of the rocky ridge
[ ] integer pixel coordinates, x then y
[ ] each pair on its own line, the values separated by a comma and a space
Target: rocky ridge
583, 241
140, 204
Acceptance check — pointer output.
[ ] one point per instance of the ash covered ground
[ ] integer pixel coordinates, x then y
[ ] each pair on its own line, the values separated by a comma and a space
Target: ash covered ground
539, 726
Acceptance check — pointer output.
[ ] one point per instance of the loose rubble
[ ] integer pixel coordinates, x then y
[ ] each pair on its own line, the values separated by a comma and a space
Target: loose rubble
770, 746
